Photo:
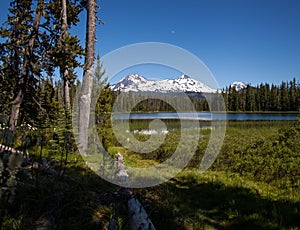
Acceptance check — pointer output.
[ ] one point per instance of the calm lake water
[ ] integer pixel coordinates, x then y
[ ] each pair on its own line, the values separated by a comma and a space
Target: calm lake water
207, 116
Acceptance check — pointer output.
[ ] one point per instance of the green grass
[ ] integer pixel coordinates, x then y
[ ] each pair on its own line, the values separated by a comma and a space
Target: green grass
253, 184
134, 160
216, 200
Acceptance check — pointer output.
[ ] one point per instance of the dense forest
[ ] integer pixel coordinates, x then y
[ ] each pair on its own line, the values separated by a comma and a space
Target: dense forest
39, 61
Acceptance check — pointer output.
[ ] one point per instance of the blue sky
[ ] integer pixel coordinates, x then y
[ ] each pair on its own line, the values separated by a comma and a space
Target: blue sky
252, 41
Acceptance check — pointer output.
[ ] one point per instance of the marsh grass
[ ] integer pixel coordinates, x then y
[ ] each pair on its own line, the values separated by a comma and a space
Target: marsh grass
246, 188
216, 200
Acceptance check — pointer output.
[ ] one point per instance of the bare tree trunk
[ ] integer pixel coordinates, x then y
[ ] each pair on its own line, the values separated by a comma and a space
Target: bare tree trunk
17, 101
67, 90
86, 88
64, 70
15, 109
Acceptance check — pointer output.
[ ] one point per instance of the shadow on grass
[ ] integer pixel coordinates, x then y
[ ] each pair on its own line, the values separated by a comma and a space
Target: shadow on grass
189, 204
85, 202
185, 202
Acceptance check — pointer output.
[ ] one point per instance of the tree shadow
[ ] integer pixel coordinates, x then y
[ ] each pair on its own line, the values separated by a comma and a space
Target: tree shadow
205, 205
80, 199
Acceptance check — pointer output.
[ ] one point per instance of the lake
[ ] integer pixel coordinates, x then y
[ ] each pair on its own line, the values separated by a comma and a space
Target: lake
207, 116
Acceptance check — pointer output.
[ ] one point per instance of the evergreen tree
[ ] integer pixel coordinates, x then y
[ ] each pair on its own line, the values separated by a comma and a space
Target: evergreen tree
61, 16
232, 99
284, 97
249, 99
21, 52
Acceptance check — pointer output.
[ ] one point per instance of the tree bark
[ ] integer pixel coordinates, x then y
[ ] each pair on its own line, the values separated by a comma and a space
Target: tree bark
67, 90
14, 114
86, 88
64, 70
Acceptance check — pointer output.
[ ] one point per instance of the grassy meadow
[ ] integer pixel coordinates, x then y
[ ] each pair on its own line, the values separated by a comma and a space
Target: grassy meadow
253, 184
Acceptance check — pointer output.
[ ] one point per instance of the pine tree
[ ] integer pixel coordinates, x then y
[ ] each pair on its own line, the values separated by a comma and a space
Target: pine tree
284, 97
61, 16
21, 53
249, 99
292, 95
232, 99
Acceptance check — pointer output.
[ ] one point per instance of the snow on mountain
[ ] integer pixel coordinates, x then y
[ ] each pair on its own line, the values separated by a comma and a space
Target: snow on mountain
238, 85
130, 83
184, 83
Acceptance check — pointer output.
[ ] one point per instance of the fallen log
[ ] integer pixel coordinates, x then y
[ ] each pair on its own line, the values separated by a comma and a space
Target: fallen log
12, 150
138, 217
44, 166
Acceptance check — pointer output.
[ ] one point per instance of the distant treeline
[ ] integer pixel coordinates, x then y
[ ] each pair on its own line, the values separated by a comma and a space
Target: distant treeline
155, 101
263, 97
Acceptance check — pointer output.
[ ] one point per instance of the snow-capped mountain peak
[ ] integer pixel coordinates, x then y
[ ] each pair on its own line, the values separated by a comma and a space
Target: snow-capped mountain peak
134, 78
238, 85
184, 83
130, 82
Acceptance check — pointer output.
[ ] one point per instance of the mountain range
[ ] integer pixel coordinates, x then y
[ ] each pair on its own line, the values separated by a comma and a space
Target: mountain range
137, 83
184, 83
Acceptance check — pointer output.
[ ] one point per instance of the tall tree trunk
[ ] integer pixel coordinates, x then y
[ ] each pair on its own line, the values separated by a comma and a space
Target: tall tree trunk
67, 90
17, 101
14, 115
86, 88
64, 70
